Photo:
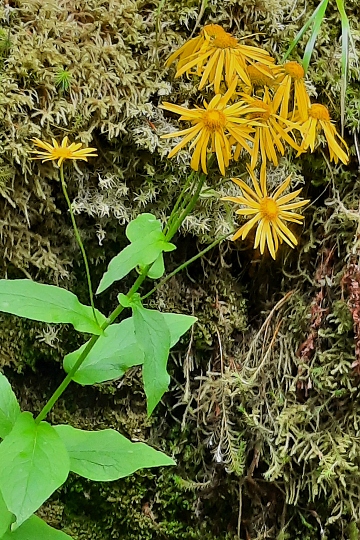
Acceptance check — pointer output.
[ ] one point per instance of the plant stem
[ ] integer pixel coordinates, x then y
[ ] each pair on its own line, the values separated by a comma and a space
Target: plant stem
185, 205
181, 200
65, 383
60, 389
185, 264
177, 222
79, 241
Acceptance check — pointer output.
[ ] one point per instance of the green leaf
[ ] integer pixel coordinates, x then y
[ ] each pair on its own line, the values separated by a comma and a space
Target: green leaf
111, 356
178, 324
307, 25
124, 300
147, 242
107, 455
47, 303
6, 517
35, 528
154, 337
320, 13
345, 40
34, 463
158, 268
156, 333
144, 224
9, 407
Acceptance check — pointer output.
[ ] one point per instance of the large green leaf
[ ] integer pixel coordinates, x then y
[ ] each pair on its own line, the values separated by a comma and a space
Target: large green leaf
35, 528
33, 464
9, 407
156, 333
107, 455
47, 303
147, 244
6, 517
111, 356
154, 337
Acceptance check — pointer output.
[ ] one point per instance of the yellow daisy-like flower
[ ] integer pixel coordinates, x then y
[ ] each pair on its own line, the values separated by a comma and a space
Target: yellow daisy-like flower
291, 76
193, 46
269, 132
269, 213
212, 127
218, 56
60, 153
319, 118
260, 75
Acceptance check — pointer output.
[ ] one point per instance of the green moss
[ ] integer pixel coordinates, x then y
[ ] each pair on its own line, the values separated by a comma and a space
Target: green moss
263, 406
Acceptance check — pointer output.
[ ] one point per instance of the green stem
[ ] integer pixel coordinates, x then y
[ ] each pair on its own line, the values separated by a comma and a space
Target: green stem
118, 310
177, 222
181, 201
79, 241
53, 399
185, 264
60, 389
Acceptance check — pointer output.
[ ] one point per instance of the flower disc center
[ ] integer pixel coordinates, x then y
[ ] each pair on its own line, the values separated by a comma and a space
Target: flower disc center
319, 112
214, 119
262, 115
269, 208
259, 78
225, 41
295, 70
213, 30
61, 152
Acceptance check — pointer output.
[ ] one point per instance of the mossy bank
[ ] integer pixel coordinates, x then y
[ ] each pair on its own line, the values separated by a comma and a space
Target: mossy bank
262, 414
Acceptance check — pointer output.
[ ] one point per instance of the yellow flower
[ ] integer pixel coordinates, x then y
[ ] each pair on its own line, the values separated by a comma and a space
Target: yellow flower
193, 46
211, 129
319, 118
269, 132
218, 56
269, 212
260, 75
61, 153
291, 76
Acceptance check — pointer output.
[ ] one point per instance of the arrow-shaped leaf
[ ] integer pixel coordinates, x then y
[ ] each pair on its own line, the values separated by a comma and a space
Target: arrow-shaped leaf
147, 243
110, 357
153, 336
47, 303
107, 455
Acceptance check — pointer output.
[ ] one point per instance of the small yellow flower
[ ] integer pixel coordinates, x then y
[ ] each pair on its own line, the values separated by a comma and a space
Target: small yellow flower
291, 76
218, 56
60, 153
269, 132
319, 118
269, 212
212, 127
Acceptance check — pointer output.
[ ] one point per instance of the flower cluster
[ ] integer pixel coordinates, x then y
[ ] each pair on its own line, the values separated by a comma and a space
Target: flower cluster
258, 108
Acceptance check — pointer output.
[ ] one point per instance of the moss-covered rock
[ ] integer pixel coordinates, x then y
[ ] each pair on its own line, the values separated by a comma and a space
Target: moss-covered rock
262, 414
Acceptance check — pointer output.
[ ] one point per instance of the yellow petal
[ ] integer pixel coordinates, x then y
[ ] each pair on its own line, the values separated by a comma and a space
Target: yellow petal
282, 188
288, 197
287, 233
249, 225
247, 190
